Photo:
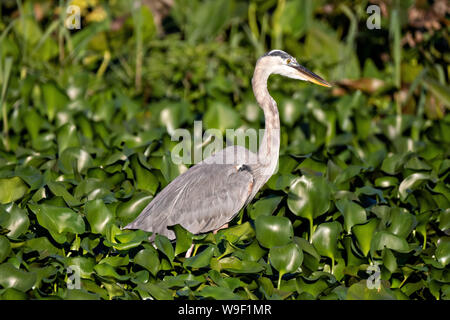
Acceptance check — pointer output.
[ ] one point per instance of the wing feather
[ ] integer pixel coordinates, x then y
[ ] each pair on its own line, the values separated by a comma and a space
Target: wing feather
202, 199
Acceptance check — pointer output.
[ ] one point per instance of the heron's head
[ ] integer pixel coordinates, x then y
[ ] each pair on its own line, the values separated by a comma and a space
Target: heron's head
280, 62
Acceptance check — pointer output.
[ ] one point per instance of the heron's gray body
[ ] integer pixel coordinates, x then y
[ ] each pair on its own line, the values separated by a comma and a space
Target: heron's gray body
212, 192
200, 199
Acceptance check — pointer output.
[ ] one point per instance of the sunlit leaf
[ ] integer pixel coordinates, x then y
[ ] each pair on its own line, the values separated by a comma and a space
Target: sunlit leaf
273, 231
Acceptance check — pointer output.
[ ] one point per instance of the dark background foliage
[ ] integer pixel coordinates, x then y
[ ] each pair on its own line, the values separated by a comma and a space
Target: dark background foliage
86, 117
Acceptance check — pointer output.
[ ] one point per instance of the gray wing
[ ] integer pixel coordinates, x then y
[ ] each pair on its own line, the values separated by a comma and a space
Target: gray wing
202, 199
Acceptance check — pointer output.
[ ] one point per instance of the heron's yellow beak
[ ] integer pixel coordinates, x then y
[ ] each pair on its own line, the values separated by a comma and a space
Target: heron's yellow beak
311, 76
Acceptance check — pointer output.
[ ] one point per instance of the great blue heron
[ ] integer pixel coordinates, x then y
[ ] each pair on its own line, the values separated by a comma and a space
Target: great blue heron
208, 195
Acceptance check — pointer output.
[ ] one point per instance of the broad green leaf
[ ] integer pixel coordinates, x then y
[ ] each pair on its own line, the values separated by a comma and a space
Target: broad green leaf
389, 260
221, 116
163, 244
393, 163
360, 291
148, 258
157, 290
385, 239
443, 251
410, 183
116, 261
5, 248
58, 220
184, 239
12, 189
79, 294
74, 158
325, 239
15, 220
43, 246
201, 259
237, 233
444, 220
352, 212
67, 137
286, 259
59, 190
13, 294
235, 265
386, 182
98, 216
265, 206
364, 234
108, 271
401, 222
309, 197
182, 280
145, 180
55, 100
273, 231
219, 293
127, 211
11, 277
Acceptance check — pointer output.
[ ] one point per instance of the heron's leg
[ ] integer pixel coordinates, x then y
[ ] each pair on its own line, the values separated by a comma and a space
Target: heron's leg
189, 252
222, 227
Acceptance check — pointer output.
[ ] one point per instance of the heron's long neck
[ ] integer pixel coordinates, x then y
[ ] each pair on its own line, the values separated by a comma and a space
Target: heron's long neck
270, 145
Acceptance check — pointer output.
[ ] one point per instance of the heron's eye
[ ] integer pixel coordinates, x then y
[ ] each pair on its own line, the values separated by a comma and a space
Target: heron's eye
288, 61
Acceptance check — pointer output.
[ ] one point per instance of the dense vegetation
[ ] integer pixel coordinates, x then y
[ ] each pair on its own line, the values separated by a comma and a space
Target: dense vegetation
86, 117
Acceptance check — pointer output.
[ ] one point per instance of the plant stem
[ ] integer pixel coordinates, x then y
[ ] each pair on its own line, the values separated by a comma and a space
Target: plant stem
6, 74
279, 280
137, 17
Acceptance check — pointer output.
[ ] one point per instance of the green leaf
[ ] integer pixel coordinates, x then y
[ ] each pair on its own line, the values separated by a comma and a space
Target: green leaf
59, 221
67, 137
43, 246
286, 259
265, 206
235, 265
108, 271
309, 197
98, 216
360, 291
219, 293
385, 239
11, 277
5, 248
145, 180
156, 290
364, 234
74, 158
389, 260
273, 231
54, 98
148, 258
221, 116
129, 210
401, 222
410, 183
59, 190
164, 245
443, 251
12, 189
184, 239
238, 233
200, 260
352, 212
15, 220
325, 239
182, 280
